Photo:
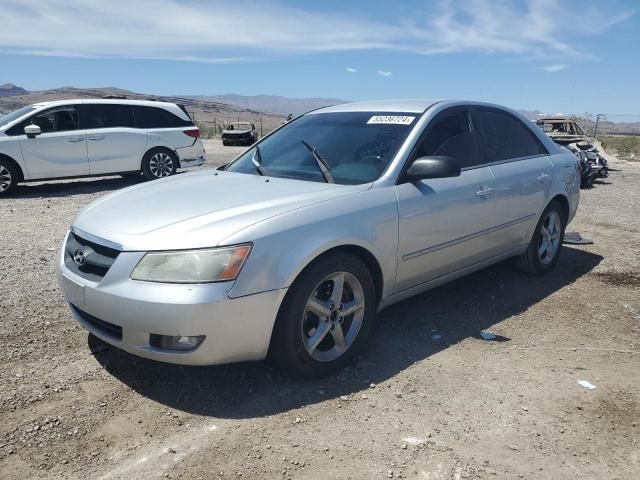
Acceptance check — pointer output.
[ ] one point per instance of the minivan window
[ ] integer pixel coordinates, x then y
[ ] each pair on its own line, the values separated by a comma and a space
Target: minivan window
155, 117
504, 137
449, 135
58, 119
10, 117
357, 146
107, 115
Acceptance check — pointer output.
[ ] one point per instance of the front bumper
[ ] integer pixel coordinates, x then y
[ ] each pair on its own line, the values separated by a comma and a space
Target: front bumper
236, 329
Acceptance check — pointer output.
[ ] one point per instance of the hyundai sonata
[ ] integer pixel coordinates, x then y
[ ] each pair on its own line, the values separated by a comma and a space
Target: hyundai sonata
293, 247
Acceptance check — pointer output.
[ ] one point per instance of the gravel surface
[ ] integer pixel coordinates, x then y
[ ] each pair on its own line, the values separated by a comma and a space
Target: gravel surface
429, 399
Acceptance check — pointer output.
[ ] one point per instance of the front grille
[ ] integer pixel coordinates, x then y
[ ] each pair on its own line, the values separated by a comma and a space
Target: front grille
96, 259
109, 329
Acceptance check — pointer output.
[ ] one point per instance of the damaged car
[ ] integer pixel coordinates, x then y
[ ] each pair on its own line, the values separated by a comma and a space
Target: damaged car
566, 132
239, 133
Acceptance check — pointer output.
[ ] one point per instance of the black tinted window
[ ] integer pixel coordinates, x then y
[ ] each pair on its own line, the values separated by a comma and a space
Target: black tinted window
107, 116
449, 136
154, 117
504, 137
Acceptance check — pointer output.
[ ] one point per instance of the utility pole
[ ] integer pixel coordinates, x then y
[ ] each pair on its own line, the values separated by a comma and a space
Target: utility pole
598, 117
215, 127
261, 126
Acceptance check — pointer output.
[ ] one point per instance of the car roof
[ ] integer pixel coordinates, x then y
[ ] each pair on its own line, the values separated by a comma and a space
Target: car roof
556, 119
404, 105
75, 101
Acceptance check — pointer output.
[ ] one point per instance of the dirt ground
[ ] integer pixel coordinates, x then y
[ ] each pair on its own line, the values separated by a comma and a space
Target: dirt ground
430, 399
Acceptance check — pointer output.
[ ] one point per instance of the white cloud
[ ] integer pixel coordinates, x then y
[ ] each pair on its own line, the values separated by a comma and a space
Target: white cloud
553, 68
385, 73
247, 30
351, 70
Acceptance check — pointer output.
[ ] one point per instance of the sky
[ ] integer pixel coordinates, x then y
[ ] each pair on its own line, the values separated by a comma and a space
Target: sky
556, 56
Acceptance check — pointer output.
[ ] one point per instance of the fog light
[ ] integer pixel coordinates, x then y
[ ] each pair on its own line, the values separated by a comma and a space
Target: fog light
182, 343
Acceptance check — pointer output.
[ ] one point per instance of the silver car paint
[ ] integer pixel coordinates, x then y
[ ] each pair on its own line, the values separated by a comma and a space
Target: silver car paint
291, 222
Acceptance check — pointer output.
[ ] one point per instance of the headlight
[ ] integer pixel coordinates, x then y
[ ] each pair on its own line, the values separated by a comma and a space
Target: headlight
192, 266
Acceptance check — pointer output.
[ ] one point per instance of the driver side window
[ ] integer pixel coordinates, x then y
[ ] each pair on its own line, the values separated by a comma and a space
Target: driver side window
450, 135
59, 119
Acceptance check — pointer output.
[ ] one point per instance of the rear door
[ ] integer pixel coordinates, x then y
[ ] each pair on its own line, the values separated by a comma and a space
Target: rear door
61, 149
444, 223
522, 171
114, 144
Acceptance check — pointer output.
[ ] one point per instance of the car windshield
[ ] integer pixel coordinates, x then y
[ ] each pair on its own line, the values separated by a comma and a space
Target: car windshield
239, 126
10, 117
356, 146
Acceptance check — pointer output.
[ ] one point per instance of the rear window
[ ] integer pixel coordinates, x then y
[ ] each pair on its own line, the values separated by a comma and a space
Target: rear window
504, 137
107, 116
155, 117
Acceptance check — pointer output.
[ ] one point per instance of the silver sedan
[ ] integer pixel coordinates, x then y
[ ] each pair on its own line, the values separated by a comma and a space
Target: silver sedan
291, 249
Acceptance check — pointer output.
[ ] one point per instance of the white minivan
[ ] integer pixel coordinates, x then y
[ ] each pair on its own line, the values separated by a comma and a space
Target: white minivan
76, 138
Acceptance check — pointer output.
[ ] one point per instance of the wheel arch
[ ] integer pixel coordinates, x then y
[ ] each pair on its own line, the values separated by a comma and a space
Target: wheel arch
159, 148
15, 164
358, 251
563, 201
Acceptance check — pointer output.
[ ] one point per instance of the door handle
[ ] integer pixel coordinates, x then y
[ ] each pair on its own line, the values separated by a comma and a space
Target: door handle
484, 192
96, 138
542, 177
74, 139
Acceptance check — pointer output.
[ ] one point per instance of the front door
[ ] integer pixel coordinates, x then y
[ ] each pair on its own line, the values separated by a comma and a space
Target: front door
61, 149
445, 222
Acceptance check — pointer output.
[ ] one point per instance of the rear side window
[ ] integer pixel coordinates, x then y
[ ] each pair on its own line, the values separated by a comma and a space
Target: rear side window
449, 135
154, 117
107, 116
504, 137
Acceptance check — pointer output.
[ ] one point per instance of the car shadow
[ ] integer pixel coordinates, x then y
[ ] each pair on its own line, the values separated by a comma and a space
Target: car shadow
405, 333
65, 188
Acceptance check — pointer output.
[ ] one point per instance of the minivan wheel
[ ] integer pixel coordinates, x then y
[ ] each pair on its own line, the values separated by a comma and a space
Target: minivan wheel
544, 249
159, 164
8, 178
325, 317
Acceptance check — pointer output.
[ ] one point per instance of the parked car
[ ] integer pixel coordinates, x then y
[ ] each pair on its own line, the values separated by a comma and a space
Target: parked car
239, 133
77, 138
292, 248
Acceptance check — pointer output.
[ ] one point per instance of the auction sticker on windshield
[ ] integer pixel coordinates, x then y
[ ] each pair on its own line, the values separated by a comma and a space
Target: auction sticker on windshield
391, 119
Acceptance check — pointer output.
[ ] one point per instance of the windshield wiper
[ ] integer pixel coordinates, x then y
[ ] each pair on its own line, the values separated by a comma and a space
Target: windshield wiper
257, 161
321, 162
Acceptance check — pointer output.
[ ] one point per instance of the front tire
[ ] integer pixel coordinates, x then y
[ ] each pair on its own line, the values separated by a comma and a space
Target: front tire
159, 163
325, 317
544, 249
8, 178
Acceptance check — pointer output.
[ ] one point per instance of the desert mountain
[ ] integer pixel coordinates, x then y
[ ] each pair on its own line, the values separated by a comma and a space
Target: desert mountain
271, 103
11, 90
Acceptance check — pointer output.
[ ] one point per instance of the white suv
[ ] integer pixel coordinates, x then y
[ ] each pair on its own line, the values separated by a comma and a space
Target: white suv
76, 138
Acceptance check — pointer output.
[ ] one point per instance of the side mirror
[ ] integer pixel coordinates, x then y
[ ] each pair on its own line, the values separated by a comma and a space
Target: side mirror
32, 131
431, 167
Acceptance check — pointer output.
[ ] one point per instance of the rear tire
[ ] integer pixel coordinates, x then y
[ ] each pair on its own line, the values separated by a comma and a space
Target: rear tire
8, 178
159, 163
312, 338
544, 249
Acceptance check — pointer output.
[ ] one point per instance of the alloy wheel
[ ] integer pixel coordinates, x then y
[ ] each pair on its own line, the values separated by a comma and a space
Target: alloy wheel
5, 178
161, 165
333, 316
549, 239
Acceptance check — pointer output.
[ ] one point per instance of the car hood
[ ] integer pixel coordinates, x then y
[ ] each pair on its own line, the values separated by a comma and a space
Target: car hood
197, 210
